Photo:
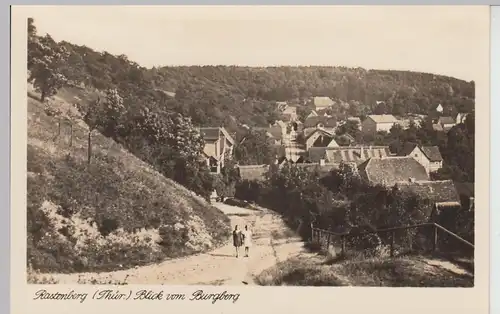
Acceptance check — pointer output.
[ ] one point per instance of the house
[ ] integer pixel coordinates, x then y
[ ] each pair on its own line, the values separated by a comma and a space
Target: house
322, 102
353, 154
252, 172
389, 171
218, 147
460, 118
281, 105
406, 122
446, 123
439, 108
441, 194
277, 134
320, 138
376, 123
428, 156
290, 113
313, 113
327, 123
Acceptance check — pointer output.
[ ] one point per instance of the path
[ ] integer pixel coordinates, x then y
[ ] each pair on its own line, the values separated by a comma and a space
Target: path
272, 243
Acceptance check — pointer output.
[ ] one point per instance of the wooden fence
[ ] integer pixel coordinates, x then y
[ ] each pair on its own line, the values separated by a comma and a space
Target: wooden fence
429, 237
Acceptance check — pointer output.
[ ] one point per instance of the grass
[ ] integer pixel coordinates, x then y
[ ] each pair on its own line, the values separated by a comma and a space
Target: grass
375, 272
115, 213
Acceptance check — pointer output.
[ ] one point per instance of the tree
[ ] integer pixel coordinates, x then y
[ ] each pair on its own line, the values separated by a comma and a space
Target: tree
45, 60
254, 149
102, 115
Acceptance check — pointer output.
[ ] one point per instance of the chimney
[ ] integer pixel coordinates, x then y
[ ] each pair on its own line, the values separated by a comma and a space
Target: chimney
412, 180
322, 162
361, 151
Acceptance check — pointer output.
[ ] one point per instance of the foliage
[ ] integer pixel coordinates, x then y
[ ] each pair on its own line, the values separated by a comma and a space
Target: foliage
45, 60
254, 149
139, 216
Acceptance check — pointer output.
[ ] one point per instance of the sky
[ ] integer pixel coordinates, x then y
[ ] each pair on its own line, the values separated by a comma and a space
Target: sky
436, 39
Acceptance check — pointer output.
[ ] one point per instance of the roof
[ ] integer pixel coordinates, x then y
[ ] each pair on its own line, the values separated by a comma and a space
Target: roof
437, 127
253, 172
391, 170
432, 152
321, 131
383, 118
320, 101
290, 110
210, 134
408, 147
355, 154
276, 132
329, 122
213, 134
323, 169
446, 120
443, 192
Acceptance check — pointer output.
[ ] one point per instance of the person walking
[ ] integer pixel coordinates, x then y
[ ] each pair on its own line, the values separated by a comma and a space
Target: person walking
247, 240
237, 239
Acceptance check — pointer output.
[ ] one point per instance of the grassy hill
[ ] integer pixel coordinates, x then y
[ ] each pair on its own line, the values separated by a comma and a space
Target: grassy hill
409, 271
115, 212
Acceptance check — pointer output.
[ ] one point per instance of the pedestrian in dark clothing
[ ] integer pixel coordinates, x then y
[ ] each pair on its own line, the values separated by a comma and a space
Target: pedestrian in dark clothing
237, 240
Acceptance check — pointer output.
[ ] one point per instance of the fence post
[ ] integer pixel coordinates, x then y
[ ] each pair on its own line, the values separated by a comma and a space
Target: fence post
434, 246
328, 242
343, 245
393, 240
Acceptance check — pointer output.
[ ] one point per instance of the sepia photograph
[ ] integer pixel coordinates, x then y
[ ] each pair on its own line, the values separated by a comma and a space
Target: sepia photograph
336, 152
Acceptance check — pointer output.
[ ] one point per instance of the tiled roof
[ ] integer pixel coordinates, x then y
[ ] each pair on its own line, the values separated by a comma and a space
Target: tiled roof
408, 147
323, 169
437, 127
322, 101
210, 134
253, 172
435, 191
383, 118
355, 154
446, 120
391, 170
328, 122
315, 154
432, 152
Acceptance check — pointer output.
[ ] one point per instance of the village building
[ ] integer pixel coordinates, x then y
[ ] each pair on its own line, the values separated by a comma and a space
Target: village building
439, 108
290, 113
320, 138
446, 123
428, 156
322, 102
389, 171
350, 154
313, 113
319, 122
376, 123
252, 172
460, 117
442, 195
218, 147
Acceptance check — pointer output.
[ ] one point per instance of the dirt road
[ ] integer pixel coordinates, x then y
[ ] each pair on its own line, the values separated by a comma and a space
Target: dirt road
272, 242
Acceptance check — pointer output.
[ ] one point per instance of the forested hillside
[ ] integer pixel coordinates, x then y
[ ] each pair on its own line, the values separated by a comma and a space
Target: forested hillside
227, 95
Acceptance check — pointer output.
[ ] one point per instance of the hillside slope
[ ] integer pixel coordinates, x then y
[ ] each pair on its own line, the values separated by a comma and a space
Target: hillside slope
310, 269
115, 213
